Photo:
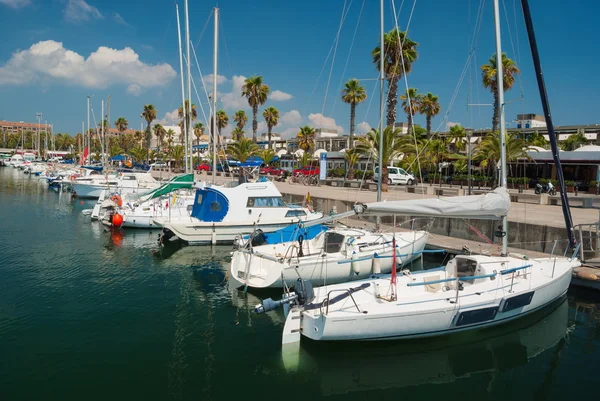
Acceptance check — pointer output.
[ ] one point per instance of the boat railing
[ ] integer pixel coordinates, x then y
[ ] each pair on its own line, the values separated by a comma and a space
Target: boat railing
589, 239
345, 293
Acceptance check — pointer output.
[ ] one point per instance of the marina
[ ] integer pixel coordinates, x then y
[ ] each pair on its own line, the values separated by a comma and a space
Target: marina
189, 260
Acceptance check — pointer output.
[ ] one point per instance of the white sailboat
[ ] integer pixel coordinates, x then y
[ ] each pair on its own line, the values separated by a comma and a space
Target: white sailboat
469, 292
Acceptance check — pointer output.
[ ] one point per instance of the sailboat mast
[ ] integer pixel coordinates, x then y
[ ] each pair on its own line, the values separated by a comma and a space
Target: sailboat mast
500, 105
181, 73
102, 138
549, 124
189, 85
381, 98
89, 142
214, 97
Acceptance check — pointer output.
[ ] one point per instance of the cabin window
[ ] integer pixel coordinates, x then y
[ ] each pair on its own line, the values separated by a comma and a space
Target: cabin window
199, 198
295, 213
465, 268
266, 201
215, 206
333, 242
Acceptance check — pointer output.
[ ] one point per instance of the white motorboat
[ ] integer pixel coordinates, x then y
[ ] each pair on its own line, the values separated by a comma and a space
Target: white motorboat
220, 214
337, 255
92, 185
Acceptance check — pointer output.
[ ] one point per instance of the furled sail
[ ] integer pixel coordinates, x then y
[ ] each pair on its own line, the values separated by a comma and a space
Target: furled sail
490, 206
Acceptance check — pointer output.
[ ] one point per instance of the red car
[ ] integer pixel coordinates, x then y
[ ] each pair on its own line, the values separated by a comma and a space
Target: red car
203, 167
271, 170
307, 170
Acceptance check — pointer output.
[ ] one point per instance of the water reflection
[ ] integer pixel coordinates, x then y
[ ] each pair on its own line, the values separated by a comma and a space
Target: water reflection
349, 367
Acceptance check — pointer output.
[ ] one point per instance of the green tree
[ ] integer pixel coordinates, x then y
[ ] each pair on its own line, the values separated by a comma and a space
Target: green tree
256, 92
271, 116
574, 141
353, 94
176, 154
266, 155
237, 133
399, 54
139, 135
306, 138
536, 139
240, 118
149, 114
121, 125
352, 157
490, 80
430, 107
159, 132
458, 135
411, 104
198, 132
242, 149
129, 142
394, 145
139, 154
488, 151
305, 159
222, 120
185, 114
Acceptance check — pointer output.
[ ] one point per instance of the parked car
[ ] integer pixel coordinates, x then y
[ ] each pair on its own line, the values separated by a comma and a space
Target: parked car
396, 175
307, 170
270, 170
202, 167
159, 165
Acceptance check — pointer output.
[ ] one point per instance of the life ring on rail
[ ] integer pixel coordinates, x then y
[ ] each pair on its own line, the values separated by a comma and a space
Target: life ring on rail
73, 177
117, 199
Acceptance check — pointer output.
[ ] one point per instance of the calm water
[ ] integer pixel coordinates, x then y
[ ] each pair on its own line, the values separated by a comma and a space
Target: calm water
90, 315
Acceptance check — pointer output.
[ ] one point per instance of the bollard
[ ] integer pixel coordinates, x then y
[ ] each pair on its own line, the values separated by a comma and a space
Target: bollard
576, 188
520, 189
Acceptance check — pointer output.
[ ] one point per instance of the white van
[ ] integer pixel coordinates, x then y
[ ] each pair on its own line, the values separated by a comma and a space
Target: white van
396, 175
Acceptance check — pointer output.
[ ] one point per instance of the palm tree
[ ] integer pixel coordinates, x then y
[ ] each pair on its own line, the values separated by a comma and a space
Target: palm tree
352, 157
240, 118
160, 132
399, 55
256, 92
237, 133
242, 149
430, 107
353, 94
188, 121
198, 132
458, 135
271, 116
139, 153
394, 145
488, 151
177, 154
306, 138
222, 121
411, 104
170, 137
305, 159
129, 142
121, 125
149, 114
489, 78
139, 135
266, 155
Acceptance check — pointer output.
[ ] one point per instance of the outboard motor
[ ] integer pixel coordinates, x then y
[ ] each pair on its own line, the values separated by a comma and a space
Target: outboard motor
303, 294
258, 238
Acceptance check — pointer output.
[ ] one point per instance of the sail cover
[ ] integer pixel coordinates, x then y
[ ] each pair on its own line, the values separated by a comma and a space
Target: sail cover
490, 206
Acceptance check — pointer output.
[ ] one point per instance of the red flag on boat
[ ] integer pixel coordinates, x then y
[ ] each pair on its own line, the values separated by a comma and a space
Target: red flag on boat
86, 152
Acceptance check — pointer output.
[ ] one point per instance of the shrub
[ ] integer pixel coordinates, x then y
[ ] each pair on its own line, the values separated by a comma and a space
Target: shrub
337, 172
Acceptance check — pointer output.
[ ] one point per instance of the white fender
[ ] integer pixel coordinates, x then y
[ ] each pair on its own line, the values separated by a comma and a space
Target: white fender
375, 264
355, 265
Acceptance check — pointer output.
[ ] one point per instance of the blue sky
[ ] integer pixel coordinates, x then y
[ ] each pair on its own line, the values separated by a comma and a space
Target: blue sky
56, 52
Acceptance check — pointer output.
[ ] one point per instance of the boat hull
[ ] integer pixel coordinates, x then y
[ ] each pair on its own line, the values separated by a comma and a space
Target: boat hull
382, 320
251, 270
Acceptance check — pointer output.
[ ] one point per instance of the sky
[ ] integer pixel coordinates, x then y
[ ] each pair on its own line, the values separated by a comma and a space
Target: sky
55, 53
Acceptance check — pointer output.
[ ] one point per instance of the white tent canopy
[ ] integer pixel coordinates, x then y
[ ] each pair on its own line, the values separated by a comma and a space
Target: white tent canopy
299, 153
318, 152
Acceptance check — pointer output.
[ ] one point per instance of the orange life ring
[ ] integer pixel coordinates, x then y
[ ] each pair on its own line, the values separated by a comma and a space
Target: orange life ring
73, 177
117, 199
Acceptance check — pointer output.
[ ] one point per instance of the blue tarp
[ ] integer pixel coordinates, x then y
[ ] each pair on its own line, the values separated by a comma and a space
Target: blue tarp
291, 233
200, 147
118, 158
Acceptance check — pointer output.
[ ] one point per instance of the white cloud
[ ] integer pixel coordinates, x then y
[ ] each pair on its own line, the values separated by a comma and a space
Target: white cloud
170, 118
261, 127
15, 3
234, 99
291, 117
78, 11
49, 60
134, 89
280, 96
289, 132
363, 127
120, 20
318, 120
